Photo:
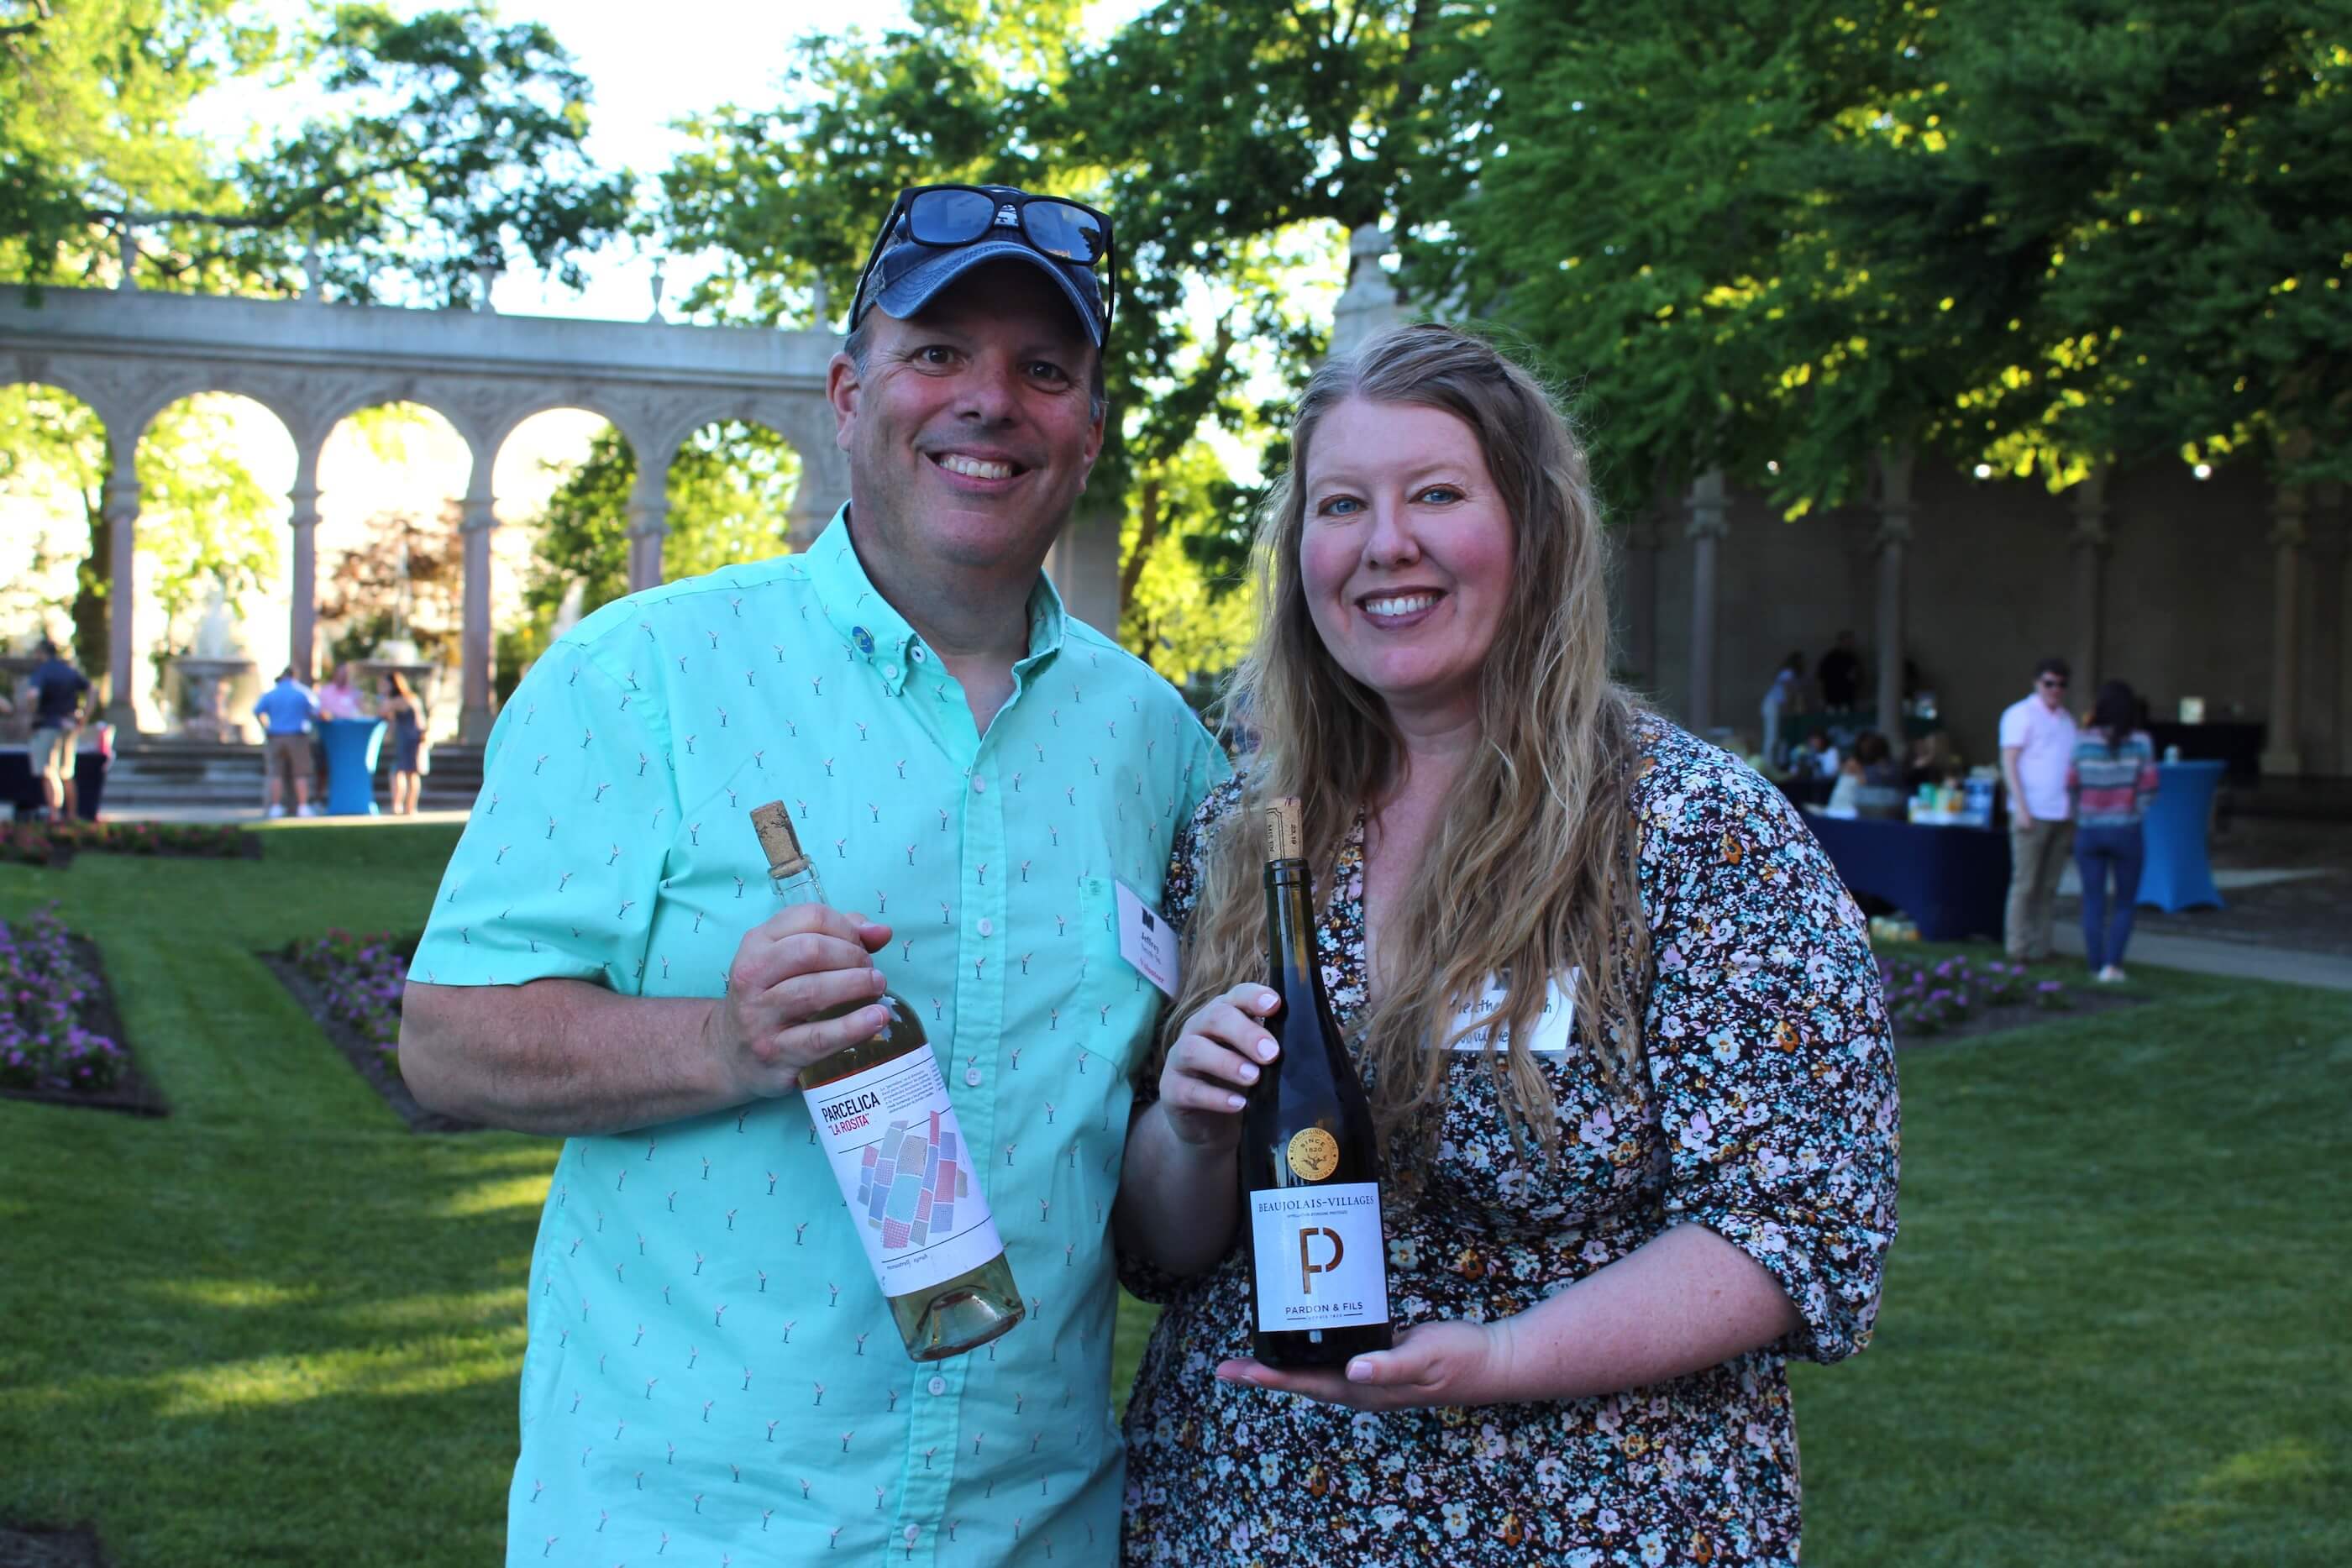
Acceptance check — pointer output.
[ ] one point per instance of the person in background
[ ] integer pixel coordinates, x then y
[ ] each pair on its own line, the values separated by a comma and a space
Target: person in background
1841, 674
1875, 760
405, 715
2112, 779
1933, 760
1817, 758
339, 698
2037, 746
1783, 696
58, 692
287, 711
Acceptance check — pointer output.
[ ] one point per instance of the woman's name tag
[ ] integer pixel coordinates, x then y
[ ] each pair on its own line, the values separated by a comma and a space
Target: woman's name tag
1555, 1026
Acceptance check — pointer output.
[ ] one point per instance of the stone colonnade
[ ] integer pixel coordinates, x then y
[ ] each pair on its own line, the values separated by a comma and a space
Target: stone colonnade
2308, 664
130, 354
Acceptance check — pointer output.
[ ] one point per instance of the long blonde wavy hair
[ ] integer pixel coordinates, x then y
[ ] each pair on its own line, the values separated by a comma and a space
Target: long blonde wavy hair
1531, 871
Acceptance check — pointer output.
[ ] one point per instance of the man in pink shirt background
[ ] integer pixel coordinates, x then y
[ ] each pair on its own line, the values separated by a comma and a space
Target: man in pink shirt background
2037, 746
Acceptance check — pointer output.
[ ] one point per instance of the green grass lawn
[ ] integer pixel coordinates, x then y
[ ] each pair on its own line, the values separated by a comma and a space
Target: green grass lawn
277, 1328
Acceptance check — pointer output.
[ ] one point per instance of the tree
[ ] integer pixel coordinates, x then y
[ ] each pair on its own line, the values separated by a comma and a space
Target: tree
730, 487
447, 141
1234, 145
2169, 178
205, 519
405, 577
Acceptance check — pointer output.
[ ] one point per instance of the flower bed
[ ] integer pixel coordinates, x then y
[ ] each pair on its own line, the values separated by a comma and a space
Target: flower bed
44, 1041
359, 980
351, 984
1939, 997
55, 844
59, 1038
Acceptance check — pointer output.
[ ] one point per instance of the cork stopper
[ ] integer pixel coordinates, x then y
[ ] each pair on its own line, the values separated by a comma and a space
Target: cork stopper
1286, 830
773, 823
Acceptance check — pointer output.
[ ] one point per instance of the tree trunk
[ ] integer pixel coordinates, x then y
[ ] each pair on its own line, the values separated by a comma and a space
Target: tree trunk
1147, 531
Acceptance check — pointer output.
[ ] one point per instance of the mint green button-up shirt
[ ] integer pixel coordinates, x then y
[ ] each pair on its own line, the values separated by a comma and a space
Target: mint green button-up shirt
711, 1368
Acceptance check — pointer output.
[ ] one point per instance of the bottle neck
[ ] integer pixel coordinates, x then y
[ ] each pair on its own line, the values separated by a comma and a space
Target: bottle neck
1290, 918
798, 887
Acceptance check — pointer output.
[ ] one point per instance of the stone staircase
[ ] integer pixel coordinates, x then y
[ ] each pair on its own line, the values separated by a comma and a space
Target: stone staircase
166, 773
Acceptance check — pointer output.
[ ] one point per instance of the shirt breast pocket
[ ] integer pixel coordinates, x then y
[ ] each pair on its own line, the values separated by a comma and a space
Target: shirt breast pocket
1117, 1007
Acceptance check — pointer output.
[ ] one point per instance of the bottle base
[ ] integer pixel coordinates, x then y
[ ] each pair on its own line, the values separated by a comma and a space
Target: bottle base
961, 1321
1318, 1350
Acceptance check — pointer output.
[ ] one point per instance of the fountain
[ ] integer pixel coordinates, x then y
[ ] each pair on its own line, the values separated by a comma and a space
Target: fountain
206, 675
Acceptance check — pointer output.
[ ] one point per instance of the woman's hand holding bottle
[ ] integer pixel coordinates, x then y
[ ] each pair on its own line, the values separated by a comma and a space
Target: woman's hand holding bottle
1218, 1055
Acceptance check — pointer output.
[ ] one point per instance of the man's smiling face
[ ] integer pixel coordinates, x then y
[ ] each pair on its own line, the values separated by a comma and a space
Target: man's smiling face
969, 431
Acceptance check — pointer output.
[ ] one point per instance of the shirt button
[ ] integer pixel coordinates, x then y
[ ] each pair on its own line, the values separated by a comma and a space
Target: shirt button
979, 785
971, 1081
889, 672
920, 654
987, 926
939, 1385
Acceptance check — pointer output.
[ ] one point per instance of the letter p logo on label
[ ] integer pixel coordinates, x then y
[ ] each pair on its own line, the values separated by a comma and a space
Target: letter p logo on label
1307, 1267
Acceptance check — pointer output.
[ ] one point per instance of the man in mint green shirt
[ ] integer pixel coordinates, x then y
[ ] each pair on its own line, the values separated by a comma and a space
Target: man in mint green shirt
712, 1369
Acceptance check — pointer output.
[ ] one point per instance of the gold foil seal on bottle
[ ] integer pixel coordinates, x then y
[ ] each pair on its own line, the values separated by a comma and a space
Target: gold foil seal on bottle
773, 823
1286, 830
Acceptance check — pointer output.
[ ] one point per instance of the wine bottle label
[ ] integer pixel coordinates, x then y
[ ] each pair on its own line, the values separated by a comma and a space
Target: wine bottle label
1319, 1257
907, 1174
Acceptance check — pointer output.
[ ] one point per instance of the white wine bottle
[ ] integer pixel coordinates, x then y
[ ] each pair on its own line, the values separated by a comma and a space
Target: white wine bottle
1310, 1161
889, 1132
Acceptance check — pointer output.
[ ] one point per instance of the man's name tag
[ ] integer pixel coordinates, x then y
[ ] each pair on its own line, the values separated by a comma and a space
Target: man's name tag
1146, 941
1555, 1026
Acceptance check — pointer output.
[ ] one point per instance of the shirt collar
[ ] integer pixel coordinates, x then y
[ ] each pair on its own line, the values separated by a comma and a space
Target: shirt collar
870, 627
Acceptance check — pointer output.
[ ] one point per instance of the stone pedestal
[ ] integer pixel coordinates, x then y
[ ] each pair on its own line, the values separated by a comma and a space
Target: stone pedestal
208, 681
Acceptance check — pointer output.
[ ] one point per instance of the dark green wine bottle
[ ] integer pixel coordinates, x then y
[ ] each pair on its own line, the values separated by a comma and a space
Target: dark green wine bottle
1310, 1161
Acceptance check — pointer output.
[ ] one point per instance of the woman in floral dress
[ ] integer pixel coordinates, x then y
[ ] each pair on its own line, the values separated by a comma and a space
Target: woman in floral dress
1607, 1233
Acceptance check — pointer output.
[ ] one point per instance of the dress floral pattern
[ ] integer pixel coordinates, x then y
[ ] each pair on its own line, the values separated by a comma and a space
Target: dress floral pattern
1769, 1116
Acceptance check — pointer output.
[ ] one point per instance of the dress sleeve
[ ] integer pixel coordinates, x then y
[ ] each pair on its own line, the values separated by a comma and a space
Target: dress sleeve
561, 863
1768, 1048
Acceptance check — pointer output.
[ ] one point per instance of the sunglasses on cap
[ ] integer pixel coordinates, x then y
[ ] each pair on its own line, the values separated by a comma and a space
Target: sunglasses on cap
947, 217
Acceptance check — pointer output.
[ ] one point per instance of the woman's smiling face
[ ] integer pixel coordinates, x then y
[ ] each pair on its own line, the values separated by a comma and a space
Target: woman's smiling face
1405, 554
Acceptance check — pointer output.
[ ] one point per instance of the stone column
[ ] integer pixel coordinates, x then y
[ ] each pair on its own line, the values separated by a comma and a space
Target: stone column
118, 509
1369, 306
824, 487
2089, 539
1893, 539
1638, 574
2282, 745
300, 643
1084, 565
1709, 513
648, 523
477, 517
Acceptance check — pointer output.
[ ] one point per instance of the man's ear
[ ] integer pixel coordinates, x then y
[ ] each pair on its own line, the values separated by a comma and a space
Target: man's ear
841, 389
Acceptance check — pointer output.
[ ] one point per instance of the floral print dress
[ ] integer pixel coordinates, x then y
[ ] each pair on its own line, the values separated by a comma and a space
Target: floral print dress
1769, 1115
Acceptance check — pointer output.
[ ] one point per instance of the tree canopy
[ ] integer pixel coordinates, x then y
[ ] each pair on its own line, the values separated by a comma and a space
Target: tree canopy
1777, 238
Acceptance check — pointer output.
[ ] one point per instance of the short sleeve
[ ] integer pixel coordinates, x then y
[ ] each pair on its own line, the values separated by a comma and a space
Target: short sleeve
561, 863
1768, 1048
2012, 727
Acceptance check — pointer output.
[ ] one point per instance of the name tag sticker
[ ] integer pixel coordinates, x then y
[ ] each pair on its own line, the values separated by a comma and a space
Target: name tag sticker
1146, 941
1555, 1026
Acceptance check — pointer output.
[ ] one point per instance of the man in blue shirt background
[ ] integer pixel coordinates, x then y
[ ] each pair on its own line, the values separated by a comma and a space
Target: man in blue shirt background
287, 712
58, 691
